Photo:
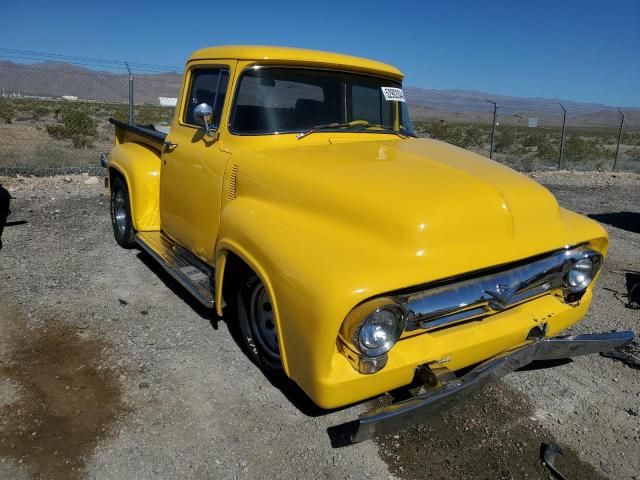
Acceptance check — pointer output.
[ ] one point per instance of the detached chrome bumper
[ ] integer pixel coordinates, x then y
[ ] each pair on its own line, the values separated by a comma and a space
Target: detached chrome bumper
408, 412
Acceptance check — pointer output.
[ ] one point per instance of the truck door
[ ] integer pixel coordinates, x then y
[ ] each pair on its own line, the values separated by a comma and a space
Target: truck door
193, 163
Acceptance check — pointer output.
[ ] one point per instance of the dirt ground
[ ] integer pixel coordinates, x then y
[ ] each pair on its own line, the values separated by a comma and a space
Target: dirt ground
109, 370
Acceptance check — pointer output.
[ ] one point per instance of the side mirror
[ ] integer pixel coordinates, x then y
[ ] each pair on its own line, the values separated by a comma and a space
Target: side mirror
203, 116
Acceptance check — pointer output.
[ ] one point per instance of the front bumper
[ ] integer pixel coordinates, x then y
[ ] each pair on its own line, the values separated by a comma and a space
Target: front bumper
403, 414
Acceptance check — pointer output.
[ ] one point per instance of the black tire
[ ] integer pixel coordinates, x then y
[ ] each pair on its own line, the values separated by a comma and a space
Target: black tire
257, 325
121, 213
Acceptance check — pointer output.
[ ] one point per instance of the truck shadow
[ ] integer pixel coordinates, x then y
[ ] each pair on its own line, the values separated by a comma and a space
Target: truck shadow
177, 289
629, 221
289, 389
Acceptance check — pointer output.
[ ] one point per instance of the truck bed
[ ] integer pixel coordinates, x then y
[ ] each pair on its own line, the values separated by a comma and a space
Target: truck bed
146, 134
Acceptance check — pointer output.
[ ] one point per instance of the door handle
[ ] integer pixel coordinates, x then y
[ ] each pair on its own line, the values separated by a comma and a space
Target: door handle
168, 146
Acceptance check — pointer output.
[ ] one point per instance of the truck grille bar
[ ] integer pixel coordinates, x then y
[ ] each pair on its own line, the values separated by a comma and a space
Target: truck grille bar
488, 294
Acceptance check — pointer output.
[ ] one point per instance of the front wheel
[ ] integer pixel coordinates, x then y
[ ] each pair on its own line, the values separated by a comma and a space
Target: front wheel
256, 319
121, 213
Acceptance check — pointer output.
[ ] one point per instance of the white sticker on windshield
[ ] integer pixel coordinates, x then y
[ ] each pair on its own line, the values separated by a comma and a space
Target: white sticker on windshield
393, 94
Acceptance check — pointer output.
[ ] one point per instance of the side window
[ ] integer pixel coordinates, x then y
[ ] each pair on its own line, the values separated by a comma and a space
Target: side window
208, 85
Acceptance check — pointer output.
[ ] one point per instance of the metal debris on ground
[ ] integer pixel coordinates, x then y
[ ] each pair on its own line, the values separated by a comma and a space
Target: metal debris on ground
548, 453
628, 354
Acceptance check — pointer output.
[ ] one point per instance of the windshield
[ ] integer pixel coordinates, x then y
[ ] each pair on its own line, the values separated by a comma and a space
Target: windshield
287, 100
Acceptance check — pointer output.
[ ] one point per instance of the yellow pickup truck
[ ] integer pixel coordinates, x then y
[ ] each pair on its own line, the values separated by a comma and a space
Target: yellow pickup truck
291, 194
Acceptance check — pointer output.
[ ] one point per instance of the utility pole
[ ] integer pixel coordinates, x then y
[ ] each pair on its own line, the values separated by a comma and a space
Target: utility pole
564, 121
615, 159
493, 127
130, 94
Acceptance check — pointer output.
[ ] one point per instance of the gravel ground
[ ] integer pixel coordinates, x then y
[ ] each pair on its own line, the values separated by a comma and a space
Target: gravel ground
109, 370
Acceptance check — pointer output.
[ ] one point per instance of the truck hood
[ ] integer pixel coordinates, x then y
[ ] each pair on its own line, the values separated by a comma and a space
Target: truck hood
414, 199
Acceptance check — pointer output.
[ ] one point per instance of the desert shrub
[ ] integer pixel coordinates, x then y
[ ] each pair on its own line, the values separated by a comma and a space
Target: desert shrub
475, 136
453, 134
120, 112
79, 123
546, 150
76, 126
578, 148
57, 132
506, 139
7, 111
532, 140
631, 138
633, 154
152, 114
39, 111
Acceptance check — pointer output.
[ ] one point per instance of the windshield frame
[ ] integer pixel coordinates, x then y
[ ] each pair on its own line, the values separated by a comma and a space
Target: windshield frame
234, 100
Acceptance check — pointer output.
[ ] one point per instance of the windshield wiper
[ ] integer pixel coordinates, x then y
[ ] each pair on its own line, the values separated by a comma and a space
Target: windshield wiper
355, 123
328, 126
404, 134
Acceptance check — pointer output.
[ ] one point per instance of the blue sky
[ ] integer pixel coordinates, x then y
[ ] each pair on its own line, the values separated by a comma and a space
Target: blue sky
575, 50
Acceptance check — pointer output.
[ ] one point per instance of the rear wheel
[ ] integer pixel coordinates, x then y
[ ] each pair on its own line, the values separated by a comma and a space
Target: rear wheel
121, 213
256, 319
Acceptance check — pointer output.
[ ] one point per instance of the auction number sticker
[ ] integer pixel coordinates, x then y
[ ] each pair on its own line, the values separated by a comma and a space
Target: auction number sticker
392, 94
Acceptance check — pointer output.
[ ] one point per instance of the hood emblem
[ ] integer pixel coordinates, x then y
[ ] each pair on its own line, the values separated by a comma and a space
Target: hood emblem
501, 297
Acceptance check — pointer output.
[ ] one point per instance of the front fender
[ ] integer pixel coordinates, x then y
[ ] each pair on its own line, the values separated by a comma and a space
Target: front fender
295, 256
140, 167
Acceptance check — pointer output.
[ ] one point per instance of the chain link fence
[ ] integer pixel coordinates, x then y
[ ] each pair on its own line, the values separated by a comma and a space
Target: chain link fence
54, 112
537, 136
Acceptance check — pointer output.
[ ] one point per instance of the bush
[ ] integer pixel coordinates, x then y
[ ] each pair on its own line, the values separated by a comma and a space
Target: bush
475, 136
76, 126
120, 112
533, 140
39, 111
506, 139
546, 150
149, 114
57, 132
7, 112
578, 148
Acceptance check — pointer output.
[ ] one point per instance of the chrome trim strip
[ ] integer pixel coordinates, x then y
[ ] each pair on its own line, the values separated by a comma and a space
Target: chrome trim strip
490, 293
188, 271
416, 409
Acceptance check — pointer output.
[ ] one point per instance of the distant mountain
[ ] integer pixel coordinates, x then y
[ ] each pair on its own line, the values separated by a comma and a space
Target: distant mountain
55, 79
468, 104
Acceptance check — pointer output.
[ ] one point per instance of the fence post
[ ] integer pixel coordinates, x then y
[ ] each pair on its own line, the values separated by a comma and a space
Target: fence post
615, 159
564, 121
493, 128
130, 94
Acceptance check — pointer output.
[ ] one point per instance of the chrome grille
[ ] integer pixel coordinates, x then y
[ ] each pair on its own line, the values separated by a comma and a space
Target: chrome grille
488, 294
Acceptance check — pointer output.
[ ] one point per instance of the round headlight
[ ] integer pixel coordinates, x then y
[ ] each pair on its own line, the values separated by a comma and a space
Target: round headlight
580, 275
380, 331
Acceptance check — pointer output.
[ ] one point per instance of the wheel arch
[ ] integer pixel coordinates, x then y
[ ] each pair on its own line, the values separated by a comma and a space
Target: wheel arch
231, 261
139, 166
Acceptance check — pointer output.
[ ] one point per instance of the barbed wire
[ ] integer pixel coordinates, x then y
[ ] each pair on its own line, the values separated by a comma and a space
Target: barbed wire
85, 61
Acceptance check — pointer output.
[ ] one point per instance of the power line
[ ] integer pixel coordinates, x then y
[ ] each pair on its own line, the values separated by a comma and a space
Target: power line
86, 61
101, 74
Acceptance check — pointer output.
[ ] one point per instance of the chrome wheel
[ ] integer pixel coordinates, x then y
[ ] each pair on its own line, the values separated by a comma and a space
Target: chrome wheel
262, 321
120, 211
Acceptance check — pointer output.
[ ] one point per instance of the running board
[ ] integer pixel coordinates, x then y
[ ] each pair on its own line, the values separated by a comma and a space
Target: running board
189, 271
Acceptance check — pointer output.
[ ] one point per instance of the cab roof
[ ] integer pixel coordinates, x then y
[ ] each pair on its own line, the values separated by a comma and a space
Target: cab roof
295, 55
